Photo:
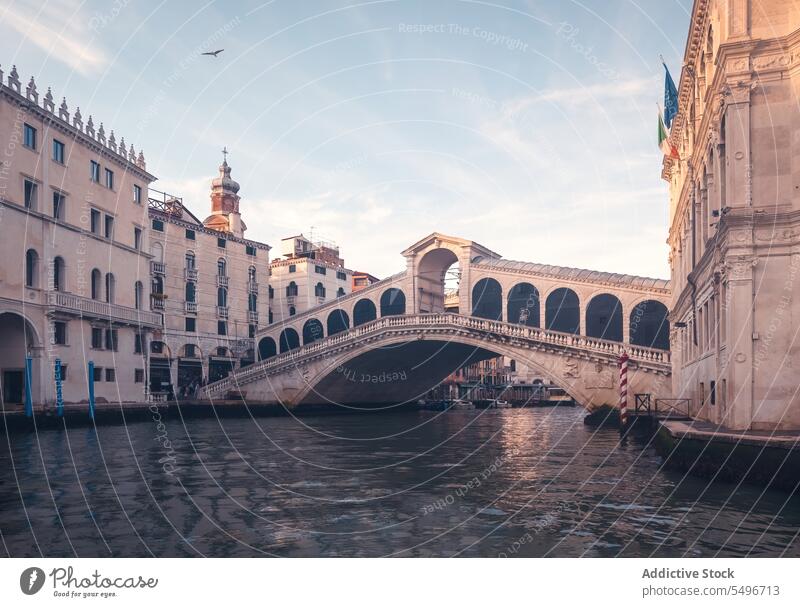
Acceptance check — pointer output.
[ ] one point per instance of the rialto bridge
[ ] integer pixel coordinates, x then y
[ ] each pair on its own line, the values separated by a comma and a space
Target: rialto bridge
398, 338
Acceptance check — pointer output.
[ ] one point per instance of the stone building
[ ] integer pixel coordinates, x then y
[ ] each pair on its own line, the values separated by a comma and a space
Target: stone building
211, 284
735, 215
74, 281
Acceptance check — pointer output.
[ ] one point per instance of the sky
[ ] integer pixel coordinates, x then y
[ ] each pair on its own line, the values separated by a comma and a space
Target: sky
526, 126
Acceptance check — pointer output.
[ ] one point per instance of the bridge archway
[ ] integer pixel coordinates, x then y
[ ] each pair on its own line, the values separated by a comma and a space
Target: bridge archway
432, 271
289, 340
562, 311
523, 305
312, 331
649, 325
337, 322
393, 302
267, 348
487, 299
363, 312
604, 317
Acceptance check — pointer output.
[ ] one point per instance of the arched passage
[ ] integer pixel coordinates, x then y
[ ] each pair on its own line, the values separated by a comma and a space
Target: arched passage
562, 311
523, 305
487, 299
312, 331
266, 348
18, 340
393, 302
432, 272
338, 321
604, 317
364, 312
289, 340
649, 325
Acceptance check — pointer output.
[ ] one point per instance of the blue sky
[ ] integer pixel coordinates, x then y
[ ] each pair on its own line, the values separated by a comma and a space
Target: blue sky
528, 126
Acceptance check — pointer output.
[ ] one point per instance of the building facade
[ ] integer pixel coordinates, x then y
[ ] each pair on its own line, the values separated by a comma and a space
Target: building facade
74, 283
210, 283
735, 216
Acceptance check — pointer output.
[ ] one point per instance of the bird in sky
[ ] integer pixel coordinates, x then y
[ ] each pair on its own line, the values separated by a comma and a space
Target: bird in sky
213, 53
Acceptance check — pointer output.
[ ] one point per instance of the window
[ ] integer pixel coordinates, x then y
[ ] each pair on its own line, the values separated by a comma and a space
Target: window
713, 391
137, 239
190, 234
58, 151
319, 290
341, 275
94, 221
270, 316
97, 338
59, 279
31, 268
138, 343
291, 289
63, 372
292, 311
157, 347
251, 273
190, 260
111, 340
189, 351
252, 301
98, 374
31, 194
110, 283
138, 376
59, 201
94, 171
340, 292
109, 227
221, 243
158, 225
109, 179
222, 328
29, 136
137, 194
190, 326
110, 375
191, 292
250, 250
60, 333
320, 270
221, 267
138, 293
271, 292
251, 331
292, 268
222, 297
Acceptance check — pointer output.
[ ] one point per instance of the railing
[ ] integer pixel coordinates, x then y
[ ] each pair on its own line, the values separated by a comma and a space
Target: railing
639, 354
222, 281
673, 407
320, 299
190, 274
291, 299
252, 316
158, 267
222, 311
67, 302
190, 307
156, 303
252, 286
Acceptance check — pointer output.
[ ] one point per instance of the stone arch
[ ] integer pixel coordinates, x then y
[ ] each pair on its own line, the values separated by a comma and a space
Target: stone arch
523, 305
431, 271
604, 317
20, 340
363, 312
649, 324
562, 311
312, 331
337, 322
266, 348
393, 302
96, 287
31, 268
487, 299
289, 340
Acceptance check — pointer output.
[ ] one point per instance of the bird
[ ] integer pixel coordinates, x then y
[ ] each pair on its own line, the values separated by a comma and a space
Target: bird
213, 53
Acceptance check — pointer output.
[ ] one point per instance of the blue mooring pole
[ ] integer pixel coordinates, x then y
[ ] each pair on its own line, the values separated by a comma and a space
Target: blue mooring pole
59, 393
28, 387
91, 389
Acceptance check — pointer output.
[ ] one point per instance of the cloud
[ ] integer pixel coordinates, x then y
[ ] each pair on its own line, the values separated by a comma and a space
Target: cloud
62, 31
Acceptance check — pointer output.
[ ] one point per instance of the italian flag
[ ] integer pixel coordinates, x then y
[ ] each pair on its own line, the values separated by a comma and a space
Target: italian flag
663, 139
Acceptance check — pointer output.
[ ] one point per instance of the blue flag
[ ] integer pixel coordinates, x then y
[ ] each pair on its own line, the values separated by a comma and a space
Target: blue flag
670, 98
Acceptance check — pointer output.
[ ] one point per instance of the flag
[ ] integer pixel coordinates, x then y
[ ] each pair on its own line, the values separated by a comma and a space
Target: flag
670, 97
663, 140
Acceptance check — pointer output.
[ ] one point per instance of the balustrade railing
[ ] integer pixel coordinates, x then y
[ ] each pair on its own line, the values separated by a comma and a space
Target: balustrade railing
84, 306
158, 267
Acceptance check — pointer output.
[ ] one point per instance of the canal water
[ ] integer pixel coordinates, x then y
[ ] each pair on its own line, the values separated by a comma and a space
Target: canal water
521, 482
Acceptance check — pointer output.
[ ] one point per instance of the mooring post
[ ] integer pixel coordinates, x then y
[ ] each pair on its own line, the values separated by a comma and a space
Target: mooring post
59, 393
28, 387
90, 379
623, 392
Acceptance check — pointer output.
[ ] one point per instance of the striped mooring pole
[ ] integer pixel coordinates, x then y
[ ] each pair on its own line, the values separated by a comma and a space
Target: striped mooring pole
623, 389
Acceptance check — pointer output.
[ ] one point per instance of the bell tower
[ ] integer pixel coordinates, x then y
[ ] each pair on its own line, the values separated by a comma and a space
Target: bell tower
225, 215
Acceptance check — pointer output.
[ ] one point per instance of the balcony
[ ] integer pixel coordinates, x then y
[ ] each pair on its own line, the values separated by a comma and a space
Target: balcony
190, 274
190, 307
157, 302
320, 299
157, 267
252, 317
222, 281
222, 311
91, 308
252, 286
291, 300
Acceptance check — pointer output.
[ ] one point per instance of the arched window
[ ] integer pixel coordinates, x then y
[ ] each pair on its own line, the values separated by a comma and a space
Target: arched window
319, 290
31, 268
649, 325
138, 293
251, 273
312, 331
291, 289
393, 302
487, 299
157, 286
221, 267
191, 292
97, 278
157, 251
292, 311
338, 321
222, 351
222, 297
289, 340
363, 312
190, 260
523, 305
562, 311
266, 348
604, 317
110, 288
59, 278
340, 292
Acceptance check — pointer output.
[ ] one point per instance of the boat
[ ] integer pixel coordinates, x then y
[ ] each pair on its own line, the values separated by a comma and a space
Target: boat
460, 404
499, 403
